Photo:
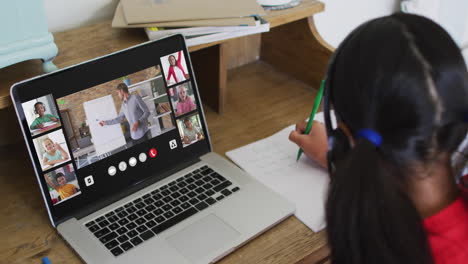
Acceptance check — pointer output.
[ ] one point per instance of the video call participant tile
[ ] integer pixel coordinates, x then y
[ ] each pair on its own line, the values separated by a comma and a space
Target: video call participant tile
190, 129
175, 68
41, 115
182, 99
62, 184
51, 149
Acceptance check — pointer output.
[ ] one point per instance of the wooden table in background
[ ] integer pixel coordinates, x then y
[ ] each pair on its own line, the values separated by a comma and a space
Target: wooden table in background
256, 100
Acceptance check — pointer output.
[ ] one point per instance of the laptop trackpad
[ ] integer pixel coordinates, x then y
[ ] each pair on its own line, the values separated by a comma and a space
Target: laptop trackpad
203, 237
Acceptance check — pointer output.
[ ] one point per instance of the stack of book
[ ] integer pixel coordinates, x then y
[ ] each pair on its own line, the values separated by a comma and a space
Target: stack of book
201, 21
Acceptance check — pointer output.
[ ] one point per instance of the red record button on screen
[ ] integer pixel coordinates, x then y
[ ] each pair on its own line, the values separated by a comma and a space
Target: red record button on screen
153, 152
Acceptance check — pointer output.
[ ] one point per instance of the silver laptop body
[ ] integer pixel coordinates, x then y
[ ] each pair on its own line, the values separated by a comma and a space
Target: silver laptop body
203, 238
212, 227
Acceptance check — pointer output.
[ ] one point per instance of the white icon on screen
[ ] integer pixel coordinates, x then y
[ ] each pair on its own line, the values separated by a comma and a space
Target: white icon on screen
142, 157
89, 180
132, 161
112, 170
173, 144
122, 166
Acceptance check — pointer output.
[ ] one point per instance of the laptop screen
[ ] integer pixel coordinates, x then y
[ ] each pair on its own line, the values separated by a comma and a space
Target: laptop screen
97, 128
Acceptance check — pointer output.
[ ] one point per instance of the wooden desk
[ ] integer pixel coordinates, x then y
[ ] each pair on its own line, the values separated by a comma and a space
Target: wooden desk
45, 129
256, 100
254, 91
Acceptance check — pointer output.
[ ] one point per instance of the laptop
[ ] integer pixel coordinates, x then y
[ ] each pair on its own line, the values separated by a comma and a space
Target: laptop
123, 158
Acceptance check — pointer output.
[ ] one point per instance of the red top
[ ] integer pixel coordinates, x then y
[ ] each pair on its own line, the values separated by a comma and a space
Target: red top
447, 232
179, 65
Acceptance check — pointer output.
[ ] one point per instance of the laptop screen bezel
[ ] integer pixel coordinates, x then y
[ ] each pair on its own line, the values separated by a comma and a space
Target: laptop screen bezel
98, 71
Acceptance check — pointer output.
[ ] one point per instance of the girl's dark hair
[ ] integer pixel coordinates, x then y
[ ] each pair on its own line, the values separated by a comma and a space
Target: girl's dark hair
404, 77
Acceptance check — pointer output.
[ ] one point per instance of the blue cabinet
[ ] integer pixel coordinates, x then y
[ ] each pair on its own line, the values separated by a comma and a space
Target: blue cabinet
24, 34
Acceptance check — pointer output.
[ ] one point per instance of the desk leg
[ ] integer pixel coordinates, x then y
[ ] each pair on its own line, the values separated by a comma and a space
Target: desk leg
297, 49
211, 73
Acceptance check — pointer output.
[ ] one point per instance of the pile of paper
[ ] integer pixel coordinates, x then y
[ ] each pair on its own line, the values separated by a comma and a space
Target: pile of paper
200, 21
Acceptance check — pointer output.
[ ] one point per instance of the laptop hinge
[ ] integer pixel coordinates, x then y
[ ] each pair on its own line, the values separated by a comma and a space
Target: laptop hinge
130, 190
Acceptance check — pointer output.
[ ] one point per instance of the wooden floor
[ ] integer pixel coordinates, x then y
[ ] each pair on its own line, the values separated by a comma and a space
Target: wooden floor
260, 102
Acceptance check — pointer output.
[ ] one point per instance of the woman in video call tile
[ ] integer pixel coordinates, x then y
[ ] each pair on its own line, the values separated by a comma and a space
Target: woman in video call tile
176, 72
63, 188
38, 123
54, 153
185, 103
191, 133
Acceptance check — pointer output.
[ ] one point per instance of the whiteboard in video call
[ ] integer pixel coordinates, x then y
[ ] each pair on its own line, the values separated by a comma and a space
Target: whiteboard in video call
105, 138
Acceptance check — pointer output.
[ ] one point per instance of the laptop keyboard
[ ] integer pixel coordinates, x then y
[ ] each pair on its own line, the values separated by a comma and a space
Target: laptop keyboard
141, 219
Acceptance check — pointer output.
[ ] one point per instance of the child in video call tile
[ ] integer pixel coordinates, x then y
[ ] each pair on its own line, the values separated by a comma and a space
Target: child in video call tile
63, 188
135, 111
191, 133
54, 153
38, 123
176, 72
185, 103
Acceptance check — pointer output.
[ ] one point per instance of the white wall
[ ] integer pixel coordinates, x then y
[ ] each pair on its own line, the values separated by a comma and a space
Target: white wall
342, 16
67, 14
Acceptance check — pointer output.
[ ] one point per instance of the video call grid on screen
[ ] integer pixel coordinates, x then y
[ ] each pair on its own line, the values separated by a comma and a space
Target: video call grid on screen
99, 104
51, 148
182, 98
102, 186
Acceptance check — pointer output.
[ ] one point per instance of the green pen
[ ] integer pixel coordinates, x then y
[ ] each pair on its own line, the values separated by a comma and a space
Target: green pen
312, 114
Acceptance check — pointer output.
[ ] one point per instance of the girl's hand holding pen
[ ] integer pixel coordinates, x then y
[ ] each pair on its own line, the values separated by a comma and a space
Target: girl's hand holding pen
314, 144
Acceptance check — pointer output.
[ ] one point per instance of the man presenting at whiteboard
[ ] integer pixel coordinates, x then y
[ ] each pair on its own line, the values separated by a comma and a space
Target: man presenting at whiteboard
135, 111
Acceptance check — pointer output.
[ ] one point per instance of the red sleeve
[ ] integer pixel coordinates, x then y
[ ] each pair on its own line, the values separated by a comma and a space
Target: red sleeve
171, 72
179, 55
179, 62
